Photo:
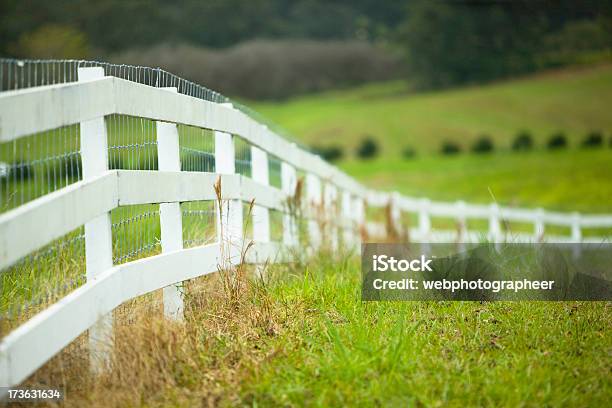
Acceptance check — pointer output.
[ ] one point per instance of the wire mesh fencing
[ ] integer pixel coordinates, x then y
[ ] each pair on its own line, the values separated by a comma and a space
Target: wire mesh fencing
136, 232
38, 164
199, 223
41, 278
196, 148
132, 143
274, 171
19, 74
242, 156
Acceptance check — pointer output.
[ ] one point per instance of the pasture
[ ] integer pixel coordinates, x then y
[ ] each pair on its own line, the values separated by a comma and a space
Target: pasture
303, 336
574, 100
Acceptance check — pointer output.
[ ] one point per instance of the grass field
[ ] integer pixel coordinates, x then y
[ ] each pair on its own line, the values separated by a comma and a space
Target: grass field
574, 101
572, 180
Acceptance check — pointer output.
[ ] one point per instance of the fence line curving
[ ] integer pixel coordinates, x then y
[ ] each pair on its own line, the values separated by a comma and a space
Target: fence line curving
107, 192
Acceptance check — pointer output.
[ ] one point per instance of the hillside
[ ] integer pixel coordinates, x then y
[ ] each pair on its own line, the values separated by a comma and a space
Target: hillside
574, 101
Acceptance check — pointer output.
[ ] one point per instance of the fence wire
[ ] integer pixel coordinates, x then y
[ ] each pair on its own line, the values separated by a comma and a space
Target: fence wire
242, 150
20, 74
26, 73
199, 223
274, 171
136, 232
38, 164
41, 278
132, 143
197, 149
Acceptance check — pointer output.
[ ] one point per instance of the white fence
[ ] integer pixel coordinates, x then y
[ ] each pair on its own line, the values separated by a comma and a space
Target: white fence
91, 200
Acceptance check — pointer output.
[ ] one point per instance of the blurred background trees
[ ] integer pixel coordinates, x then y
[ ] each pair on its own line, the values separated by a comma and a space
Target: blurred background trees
271, 49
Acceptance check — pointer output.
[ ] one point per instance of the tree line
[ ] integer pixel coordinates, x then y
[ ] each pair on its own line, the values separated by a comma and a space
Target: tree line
439, 43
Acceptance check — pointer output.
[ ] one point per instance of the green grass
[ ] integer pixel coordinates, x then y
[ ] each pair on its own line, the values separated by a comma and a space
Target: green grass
565, 180
342, 351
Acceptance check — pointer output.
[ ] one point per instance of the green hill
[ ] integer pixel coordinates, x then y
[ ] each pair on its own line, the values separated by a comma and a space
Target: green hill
574, 101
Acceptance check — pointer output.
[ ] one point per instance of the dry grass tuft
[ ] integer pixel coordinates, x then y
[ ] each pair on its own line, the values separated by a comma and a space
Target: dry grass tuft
156, 361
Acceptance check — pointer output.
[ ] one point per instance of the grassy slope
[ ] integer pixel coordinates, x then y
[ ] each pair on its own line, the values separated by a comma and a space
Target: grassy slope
566, 180
574, 101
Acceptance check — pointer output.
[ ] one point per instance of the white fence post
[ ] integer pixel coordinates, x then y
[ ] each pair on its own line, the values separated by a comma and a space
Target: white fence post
170, 217
576, 231
494, 223
424, 220
348, 238
313, 202
462, 233
538, 225
231, 221
261, 215
330, 196
359, 217
98, 232
288, 183
395, 213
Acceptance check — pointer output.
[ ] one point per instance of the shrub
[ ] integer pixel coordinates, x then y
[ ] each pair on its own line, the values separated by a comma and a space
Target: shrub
522, 141
409, 152
329, 153
368, 148
483, 144
593, 139
557, 141
20, 170
449, 148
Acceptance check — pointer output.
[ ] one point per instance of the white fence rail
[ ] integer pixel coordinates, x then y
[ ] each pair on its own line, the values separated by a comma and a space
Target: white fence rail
330, 195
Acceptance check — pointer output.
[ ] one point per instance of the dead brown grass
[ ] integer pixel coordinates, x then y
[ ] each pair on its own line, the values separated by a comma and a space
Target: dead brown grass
198, 362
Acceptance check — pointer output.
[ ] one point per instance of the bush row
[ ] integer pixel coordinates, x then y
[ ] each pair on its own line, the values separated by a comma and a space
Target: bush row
523, 141
368, 148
